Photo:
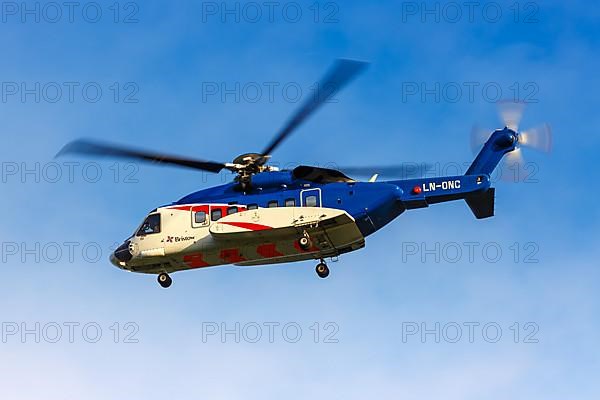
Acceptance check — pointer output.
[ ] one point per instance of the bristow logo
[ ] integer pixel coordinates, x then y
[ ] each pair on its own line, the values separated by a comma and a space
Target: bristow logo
171, 239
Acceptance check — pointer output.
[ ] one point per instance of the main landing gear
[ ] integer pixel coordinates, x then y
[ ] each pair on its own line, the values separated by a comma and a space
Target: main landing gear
306, 243
164, 280
322, 269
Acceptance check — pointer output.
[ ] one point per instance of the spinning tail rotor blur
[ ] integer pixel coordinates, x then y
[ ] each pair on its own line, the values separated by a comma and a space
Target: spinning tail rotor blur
538, 138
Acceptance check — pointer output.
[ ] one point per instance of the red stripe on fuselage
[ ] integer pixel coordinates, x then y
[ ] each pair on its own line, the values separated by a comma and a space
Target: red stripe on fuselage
231, 256
247, 225
195, 260
268, 250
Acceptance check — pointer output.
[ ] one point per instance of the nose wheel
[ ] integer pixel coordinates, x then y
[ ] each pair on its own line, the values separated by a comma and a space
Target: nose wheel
322, 269
164, 280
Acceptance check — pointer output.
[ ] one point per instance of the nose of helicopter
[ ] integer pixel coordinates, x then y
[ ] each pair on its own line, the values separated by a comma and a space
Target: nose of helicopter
121, 255
114, 261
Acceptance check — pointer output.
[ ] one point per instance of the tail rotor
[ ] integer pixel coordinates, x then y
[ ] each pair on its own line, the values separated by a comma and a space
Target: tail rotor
539, 138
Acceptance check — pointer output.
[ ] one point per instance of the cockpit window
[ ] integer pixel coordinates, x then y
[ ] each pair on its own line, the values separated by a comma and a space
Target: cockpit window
150, 225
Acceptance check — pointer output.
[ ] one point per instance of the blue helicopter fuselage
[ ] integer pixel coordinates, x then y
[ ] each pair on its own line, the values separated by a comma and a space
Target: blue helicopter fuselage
213, 226
372, 204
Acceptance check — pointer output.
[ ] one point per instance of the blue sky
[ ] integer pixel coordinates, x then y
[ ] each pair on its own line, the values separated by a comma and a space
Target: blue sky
161, 67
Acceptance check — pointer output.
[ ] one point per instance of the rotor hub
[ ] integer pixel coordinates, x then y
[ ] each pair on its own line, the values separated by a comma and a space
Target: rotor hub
250, 159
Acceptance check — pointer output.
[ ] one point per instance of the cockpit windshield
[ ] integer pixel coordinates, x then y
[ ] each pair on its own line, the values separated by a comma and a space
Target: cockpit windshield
150, 225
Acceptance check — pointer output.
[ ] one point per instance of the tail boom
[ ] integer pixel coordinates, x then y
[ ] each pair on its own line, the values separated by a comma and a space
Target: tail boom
418, 193
474, 187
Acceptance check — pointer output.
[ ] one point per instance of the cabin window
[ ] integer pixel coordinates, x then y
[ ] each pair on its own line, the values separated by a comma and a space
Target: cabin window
232, 210
272, 204
150, 225
290, 202
252, 206
311, 201
200, 217
216, 214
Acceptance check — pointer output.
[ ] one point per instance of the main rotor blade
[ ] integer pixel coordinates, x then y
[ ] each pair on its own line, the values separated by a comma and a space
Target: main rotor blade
342, 72
401, 171
478, 138
87, 147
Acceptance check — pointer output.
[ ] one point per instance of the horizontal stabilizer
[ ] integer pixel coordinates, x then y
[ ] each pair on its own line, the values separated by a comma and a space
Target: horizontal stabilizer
482, 204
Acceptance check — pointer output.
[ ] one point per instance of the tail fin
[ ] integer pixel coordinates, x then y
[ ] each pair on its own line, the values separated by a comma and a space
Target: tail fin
500, 142
482, 203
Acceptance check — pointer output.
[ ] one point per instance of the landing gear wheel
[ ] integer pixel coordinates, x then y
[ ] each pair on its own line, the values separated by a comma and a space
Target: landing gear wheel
305, 243
164, 280
322, 270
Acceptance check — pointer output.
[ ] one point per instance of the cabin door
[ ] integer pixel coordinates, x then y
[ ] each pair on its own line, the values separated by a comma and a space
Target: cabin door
310, 198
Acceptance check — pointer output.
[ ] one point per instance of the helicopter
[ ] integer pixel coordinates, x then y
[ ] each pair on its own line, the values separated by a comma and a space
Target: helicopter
268, 216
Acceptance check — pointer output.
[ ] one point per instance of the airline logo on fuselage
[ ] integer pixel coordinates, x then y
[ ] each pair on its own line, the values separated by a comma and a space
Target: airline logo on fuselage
176, 239
445, 185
